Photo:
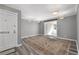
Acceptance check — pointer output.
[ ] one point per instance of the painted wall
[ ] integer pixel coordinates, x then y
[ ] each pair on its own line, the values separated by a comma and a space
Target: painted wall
78, 28
67, 27
29, 28
41, 28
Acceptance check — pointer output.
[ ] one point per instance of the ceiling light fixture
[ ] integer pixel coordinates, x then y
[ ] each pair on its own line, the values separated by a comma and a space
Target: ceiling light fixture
57, 14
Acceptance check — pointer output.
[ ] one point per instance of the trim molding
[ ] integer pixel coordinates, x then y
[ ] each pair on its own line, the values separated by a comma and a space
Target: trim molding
77, 47
19, 45
29, 36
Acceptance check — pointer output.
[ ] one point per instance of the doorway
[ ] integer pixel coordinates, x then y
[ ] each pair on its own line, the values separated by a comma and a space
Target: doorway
50, 28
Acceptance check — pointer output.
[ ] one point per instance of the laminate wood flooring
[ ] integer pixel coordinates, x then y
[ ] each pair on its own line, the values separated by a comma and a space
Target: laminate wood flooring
43, 45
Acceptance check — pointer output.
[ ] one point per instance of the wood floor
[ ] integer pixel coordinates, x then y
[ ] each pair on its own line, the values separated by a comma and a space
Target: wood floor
43, 45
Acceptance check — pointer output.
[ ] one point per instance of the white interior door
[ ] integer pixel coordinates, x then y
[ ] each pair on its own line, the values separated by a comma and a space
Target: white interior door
8, 30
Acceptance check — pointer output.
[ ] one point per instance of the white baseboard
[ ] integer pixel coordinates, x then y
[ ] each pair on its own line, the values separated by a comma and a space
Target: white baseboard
29, 36
77, 47
7, 52
19, 45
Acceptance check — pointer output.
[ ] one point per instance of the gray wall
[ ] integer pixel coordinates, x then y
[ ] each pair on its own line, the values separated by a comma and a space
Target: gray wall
29, 28
78, 28
41, 28
67, 27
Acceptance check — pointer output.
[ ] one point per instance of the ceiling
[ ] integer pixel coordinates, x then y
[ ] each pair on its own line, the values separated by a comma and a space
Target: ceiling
40, 12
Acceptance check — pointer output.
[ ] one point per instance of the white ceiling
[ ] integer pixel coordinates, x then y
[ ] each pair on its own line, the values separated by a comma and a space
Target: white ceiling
40, 12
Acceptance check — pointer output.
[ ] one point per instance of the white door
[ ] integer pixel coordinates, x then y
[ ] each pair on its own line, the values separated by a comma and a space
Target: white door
8, 30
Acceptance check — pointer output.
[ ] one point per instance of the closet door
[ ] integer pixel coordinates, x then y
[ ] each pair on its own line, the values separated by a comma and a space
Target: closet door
8, 29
